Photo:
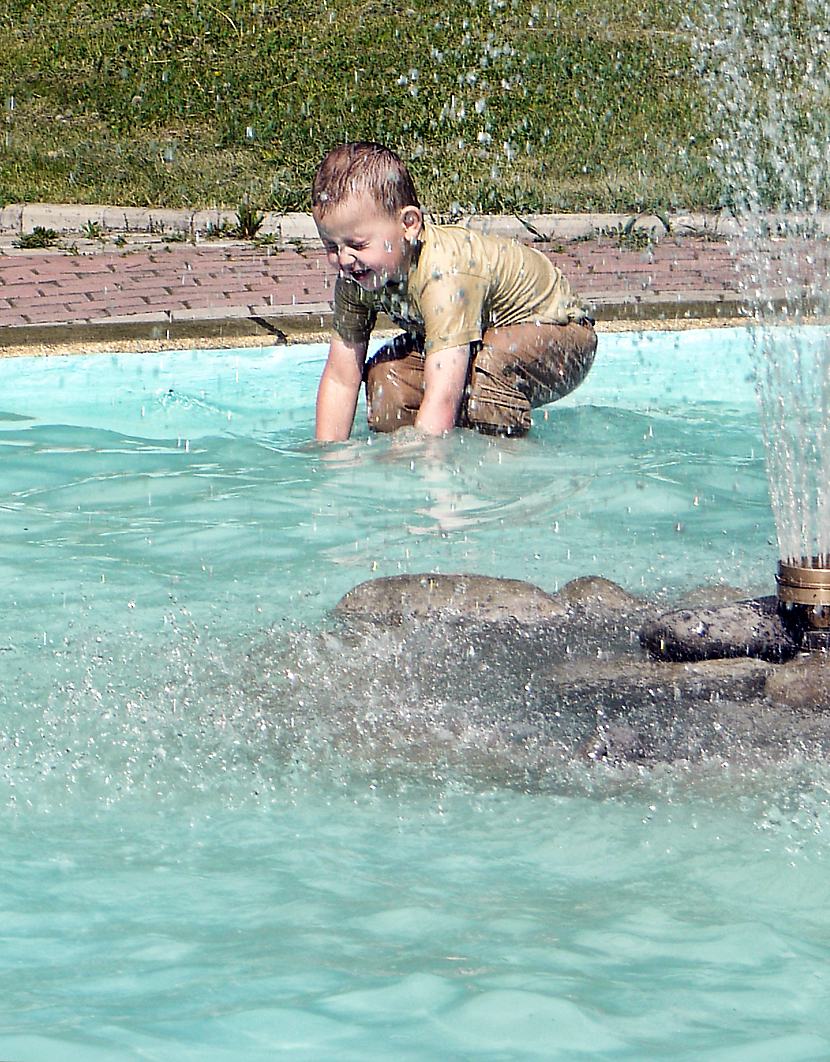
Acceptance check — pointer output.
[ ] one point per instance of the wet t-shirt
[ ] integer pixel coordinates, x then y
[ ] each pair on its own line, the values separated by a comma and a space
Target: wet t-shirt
460, 284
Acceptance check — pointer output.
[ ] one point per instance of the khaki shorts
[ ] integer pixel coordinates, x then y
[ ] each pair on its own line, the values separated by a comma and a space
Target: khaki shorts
512, 371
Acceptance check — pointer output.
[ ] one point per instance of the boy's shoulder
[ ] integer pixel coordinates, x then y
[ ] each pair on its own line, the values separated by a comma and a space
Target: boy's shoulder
452, 247
456, 236
457, 231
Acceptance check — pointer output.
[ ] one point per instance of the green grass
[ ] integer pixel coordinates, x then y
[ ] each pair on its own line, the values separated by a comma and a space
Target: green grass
498, 105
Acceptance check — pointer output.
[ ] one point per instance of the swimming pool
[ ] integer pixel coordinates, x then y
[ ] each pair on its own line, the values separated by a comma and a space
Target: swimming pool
197, 864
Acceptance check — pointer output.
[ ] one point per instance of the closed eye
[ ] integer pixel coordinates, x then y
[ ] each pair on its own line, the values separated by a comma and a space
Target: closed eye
332, 248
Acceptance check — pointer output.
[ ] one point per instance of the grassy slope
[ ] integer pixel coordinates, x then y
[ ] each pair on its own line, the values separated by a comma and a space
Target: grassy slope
499, 105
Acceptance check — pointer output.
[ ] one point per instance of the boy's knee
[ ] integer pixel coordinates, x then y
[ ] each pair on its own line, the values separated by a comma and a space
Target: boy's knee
580, 358
493, 409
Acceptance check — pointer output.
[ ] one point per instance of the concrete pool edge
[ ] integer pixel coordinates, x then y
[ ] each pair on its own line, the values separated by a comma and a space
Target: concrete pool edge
68, 342
53, 341
219, 328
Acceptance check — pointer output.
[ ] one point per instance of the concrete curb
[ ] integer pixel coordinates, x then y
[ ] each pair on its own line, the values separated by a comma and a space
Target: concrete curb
83, 219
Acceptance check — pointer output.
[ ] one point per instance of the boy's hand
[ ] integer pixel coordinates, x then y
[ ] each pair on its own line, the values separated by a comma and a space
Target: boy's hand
445, 377
338, 390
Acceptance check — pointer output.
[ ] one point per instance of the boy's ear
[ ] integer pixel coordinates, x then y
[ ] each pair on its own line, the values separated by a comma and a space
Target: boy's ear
412, 219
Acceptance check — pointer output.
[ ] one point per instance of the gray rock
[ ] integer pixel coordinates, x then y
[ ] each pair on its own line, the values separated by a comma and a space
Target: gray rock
509, 627
478, 597
746, 628
483, 599
596, 594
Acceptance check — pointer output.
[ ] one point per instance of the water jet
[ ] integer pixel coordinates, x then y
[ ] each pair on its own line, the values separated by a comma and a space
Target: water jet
767, 66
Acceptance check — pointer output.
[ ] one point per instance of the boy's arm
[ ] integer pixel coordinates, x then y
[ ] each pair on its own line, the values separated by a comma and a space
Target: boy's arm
338, 390
445, 377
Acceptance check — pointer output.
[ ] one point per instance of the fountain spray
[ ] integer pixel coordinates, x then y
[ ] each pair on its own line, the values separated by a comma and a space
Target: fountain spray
793, 382
767, 63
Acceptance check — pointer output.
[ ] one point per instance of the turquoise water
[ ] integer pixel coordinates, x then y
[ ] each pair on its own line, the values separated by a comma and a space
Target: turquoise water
232, 833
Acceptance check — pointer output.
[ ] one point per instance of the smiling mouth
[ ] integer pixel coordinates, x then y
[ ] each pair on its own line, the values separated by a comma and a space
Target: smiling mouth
360, 274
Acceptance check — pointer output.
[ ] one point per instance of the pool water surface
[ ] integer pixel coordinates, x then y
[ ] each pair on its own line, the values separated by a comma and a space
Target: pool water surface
197, 863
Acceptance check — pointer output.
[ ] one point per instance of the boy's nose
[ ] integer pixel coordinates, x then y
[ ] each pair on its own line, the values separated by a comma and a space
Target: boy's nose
345, 258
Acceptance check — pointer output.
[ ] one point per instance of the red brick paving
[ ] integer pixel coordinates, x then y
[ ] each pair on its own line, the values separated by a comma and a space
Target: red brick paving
678, 276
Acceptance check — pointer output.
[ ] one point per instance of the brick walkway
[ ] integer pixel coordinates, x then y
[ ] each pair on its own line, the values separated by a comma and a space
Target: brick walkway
155, 290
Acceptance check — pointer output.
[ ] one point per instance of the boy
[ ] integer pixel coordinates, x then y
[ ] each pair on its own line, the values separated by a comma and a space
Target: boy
491, 328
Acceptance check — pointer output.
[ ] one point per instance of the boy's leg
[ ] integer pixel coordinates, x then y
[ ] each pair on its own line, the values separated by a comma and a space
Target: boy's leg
395, 384
524, 366
516, 369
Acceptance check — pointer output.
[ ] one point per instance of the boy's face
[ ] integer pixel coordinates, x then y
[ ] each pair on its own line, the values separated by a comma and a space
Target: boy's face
365, 244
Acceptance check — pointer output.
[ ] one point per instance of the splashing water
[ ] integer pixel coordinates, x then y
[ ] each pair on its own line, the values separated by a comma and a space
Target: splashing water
794, 389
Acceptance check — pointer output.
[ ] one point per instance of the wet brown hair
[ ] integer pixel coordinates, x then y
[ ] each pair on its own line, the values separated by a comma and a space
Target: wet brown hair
353, 169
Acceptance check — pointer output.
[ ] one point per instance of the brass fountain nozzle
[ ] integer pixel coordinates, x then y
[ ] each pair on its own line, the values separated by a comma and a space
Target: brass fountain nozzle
804, 600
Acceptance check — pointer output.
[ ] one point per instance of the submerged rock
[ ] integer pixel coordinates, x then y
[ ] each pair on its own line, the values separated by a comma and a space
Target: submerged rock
621, 684
802, 683
492, 671
644, 711
618, 743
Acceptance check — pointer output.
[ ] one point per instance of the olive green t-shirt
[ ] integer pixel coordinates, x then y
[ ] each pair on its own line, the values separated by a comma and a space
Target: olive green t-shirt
460, 284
